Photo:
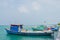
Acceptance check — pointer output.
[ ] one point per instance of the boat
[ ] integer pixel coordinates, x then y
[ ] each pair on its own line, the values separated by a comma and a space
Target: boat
42, 27
39, 28
55, 29
14, 30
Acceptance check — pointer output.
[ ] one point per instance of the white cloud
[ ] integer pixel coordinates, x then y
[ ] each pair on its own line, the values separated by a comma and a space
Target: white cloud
23, 9
35, 6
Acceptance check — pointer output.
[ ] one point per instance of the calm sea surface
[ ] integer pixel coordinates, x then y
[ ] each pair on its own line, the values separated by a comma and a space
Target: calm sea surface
5, 36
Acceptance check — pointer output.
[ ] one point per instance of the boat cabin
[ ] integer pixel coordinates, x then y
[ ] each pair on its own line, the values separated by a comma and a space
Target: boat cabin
15, 27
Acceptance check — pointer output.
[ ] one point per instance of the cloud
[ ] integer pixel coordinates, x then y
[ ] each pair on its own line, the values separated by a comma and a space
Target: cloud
35, 6
23, 9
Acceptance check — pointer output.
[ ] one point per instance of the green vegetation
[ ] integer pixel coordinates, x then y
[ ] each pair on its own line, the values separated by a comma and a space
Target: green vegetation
59, 24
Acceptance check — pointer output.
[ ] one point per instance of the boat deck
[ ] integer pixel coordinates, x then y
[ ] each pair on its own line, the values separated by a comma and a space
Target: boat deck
37, 31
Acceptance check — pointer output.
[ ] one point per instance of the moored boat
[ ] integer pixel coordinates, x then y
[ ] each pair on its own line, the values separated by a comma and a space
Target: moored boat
14, 29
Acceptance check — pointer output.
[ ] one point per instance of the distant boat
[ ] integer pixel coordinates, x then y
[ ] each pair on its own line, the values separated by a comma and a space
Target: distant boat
14, 29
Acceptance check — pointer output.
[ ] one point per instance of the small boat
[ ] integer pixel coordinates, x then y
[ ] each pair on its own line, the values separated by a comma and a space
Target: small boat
41, 27
14, 30
54, 29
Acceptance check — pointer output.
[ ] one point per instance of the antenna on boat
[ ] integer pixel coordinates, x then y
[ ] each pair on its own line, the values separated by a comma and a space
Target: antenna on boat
45, 23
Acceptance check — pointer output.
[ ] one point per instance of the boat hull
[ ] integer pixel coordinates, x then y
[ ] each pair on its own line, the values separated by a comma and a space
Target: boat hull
28, 34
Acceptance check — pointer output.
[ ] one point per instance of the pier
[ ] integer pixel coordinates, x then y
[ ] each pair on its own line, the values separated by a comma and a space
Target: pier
57, 37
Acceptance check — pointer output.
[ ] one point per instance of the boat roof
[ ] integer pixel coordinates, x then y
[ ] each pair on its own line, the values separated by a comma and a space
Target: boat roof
16, 24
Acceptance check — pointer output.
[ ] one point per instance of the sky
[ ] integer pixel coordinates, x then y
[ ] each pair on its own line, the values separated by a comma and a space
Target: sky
29, 12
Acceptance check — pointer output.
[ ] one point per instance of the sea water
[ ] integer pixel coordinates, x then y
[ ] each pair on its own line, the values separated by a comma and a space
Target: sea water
5, 36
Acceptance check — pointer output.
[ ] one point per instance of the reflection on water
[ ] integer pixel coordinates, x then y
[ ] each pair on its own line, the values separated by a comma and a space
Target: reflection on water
18, 37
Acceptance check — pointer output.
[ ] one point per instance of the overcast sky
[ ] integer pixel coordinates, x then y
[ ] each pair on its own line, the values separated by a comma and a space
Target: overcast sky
29, 12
